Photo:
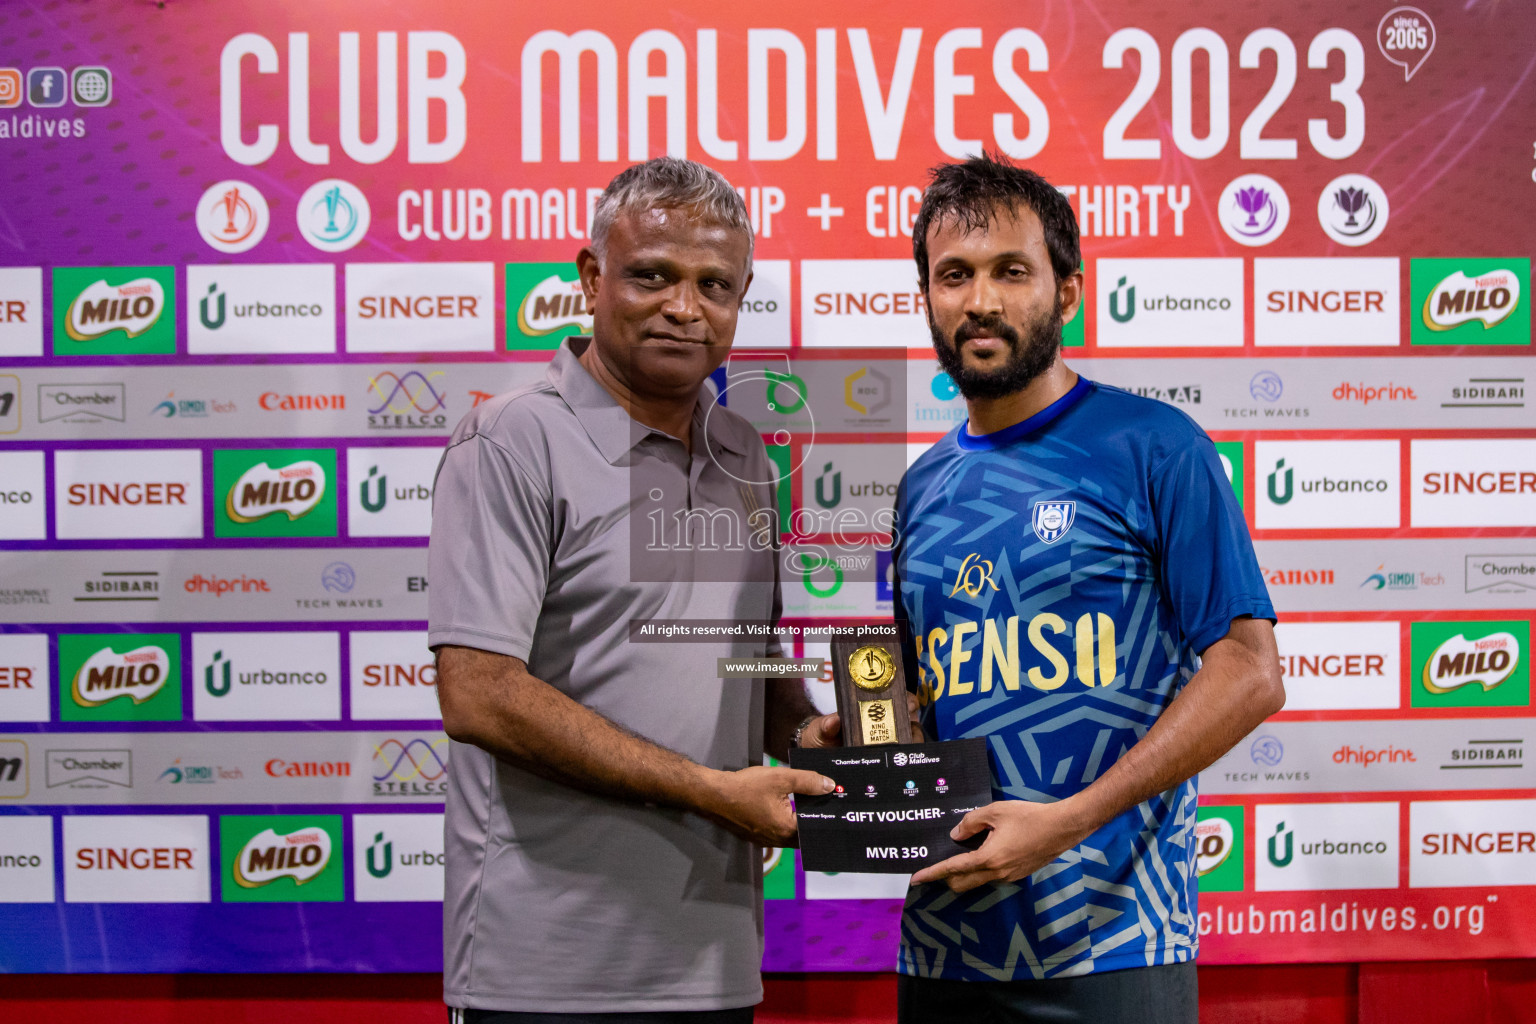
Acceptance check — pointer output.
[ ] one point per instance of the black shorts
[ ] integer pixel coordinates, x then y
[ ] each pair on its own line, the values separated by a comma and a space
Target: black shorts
1143, 995
743, 1015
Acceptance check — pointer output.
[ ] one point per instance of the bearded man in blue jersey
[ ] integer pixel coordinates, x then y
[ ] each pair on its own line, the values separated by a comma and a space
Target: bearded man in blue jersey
1079, 586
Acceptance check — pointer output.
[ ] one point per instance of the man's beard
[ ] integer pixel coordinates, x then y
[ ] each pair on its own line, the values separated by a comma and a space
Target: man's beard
1028, 358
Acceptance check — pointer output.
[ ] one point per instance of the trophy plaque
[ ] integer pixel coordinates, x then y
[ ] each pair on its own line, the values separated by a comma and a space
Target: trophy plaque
871, 690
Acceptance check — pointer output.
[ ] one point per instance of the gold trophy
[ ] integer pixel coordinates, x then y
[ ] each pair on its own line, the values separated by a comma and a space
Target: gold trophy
871, 690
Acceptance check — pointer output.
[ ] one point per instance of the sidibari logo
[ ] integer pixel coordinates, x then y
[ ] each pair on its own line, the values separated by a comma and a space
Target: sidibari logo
551, 304
1484, 661
138, 674
261, 491
1490, 297
133, 308
301, 855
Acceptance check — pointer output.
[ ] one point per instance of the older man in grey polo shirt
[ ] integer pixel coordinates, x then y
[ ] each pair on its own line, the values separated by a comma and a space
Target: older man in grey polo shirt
604, 794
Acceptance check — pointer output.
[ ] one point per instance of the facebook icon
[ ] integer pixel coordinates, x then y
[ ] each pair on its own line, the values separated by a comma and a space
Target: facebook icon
46, 87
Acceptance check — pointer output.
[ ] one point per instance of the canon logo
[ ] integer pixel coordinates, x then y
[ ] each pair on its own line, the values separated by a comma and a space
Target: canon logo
128, 494
280, 769
1437, 843
420, 307
271, 401
1298, 577
878, 303
159, 858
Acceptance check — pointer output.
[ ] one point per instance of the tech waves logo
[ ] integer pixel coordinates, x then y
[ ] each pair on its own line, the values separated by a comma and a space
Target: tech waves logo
261, 491
1489, 297
138, 674
1484, 661
414, 767
404, 401
301, 855
132, 307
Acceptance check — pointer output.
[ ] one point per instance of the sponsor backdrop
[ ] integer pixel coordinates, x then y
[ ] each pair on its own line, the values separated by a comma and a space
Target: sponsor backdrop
258, 262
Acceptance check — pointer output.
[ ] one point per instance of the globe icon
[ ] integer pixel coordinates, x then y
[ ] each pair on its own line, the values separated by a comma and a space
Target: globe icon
91, 87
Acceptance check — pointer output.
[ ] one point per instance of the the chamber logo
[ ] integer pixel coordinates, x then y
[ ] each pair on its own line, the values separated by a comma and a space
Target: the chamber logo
301, 855
1484, 661
1489, 297
101, 308
262, 490
138, 674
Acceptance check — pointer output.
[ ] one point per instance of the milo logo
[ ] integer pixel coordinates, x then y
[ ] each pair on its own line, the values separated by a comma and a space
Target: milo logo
262, 490
1482, 661
551, 304
107, 675
1214, 842
1458, 299
133, 308
267, 856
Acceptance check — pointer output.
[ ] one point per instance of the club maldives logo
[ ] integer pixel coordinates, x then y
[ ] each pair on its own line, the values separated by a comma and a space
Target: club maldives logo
1471, 664
1470, 301
333, 215
113, 311
119, 678
281, 858
232, 216
1254, 209
1353, 210
549, 304
276, 493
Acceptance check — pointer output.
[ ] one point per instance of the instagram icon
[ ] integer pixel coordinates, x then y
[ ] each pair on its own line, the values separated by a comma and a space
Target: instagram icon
10, 87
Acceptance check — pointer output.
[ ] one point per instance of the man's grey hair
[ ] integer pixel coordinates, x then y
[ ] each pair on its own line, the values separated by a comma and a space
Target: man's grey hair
670, 183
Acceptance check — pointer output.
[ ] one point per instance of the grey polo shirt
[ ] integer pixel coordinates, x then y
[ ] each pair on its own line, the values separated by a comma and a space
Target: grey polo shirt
557, 900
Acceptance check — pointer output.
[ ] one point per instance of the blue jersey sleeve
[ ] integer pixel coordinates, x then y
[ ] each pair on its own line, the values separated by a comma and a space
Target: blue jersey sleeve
1206, 555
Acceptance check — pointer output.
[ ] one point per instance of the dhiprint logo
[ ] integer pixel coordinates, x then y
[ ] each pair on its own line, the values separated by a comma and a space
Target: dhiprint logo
1052, 519
253, 308
392, 491
333, 215
1329, 484
1326, 846
281, 858
1353, 210
397, 857
266, 677
120, 677
1170, 303
232, 216
1471, 664
1254, 210
113, 311
408, 401
975, 573
275, 493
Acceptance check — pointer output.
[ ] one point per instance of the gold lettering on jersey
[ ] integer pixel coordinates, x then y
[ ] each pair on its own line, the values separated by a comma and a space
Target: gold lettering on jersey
1058, 652
973, 576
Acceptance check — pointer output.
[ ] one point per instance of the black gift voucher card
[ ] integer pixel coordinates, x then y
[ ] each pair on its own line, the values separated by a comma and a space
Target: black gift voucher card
893, 807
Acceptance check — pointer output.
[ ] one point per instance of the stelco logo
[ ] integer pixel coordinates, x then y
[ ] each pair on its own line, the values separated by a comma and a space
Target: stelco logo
1160, 304
106, 675
132, 308
1282, 849
220, 676
1486, 661
300, 855
552, 304
261, 491
1489, 297
1282, 485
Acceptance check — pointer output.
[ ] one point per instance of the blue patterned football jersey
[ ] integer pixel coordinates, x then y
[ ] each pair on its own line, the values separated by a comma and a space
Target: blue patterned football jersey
1059, 579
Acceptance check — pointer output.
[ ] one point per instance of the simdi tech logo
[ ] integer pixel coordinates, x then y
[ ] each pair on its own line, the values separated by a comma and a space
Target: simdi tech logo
119, 677
281, 858
545, 305
1470, 302
282, 492
114, 311
1471, 664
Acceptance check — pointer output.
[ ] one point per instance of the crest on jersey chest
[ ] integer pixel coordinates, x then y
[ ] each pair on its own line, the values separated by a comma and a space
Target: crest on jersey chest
1052, 519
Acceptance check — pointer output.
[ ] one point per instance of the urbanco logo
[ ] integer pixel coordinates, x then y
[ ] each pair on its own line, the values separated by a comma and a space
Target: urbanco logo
114, 311
1326, 846
266, 676
1170, 303
281, 858
26, 858
275, 492
254, 308
120, 677
1471, 664
391, 491
23, 500
1328, 484
397, 857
